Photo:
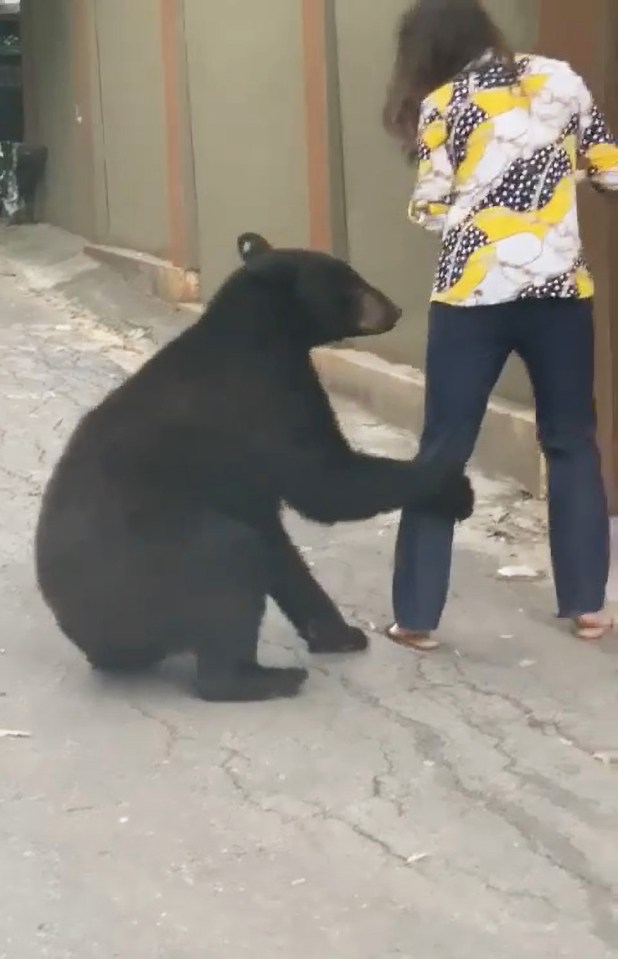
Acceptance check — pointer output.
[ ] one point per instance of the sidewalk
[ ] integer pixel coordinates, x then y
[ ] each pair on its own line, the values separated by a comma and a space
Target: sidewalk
454, 806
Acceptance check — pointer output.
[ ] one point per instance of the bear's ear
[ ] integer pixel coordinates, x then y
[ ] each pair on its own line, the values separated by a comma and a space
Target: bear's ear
252, 244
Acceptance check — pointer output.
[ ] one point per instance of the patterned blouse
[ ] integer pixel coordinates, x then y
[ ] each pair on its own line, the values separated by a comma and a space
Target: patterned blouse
497, 178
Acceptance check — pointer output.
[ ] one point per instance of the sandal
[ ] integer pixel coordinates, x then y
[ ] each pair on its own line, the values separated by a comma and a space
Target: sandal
592, 627
422, 642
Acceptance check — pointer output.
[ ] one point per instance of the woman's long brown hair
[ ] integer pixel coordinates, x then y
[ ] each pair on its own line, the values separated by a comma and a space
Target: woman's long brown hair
436, 40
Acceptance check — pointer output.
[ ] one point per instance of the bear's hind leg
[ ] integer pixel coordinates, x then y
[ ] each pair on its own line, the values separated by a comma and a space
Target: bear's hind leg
116, 640
227, 667
125, 660
216, 586
248, 683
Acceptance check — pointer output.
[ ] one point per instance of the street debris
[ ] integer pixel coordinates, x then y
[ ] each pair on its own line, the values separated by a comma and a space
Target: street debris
608, 758
14, 734
520, 574
418, 857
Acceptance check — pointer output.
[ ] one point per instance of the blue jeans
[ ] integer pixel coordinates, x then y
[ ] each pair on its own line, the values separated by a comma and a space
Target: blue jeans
467, 350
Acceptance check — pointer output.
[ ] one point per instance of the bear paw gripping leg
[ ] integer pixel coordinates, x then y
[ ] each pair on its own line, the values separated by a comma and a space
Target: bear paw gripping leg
335, 638
250, 683
444, 491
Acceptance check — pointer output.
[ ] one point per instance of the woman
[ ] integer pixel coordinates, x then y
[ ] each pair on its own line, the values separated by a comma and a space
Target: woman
498, 137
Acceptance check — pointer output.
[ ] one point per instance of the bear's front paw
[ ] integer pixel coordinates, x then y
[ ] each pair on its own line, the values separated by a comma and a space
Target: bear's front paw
449, 492
335, 638
458, 498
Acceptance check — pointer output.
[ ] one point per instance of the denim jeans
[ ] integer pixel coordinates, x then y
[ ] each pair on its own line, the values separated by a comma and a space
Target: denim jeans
467, 350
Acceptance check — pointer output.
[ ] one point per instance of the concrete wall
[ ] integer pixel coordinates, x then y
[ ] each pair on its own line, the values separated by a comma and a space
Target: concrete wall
519, 19
381, 242
54, 109
95, 99
245, 64
132, 119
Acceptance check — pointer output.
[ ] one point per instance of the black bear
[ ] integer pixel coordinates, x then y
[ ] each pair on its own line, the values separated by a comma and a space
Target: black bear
160, 528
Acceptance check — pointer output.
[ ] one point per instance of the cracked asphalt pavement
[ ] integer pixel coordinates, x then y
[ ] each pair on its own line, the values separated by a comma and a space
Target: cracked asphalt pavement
456, 805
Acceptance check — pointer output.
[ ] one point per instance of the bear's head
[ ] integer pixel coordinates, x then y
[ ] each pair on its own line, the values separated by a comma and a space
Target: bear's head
325, 295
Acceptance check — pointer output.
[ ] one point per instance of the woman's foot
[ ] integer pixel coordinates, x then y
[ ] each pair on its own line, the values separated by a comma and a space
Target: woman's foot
592, 627
422, 642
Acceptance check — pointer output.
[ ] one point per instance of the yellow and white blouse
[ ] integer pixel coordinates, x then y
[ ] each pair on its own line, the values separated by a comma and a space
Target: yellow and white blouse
497, 178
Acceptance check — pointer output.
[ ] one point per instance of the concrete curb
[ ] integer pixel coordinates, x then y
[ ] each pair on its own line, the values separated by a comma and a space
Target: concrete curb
154, 276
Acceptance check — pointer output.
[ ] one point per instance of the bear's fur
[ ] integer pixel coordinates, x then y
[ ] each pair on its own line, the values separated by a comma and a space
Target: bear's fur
160, 528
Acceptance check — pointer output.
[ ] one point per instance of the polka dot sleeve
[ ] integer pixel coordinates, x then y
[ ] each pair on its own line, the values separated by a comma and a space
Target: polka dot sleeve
596, 145
433, 193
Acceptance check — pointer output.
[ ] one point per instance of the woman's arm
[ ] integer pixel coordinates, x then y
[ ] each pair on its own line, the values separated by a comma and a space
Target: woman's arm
596, 145
433, 194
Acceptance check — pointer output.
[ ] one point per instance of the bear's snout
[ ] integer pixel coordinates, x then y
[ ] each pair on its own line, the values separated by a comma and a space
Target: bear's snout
378, 314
